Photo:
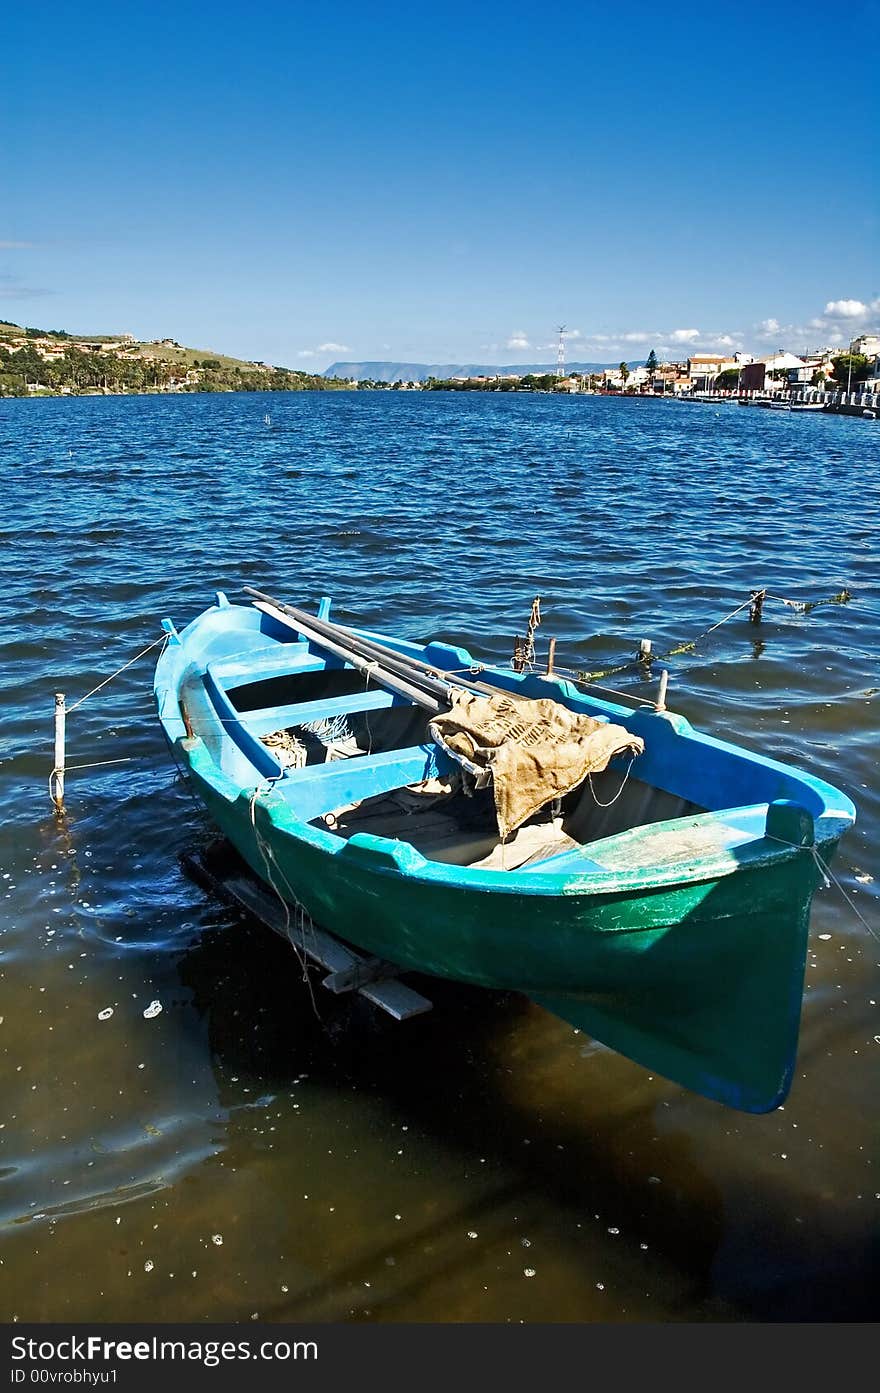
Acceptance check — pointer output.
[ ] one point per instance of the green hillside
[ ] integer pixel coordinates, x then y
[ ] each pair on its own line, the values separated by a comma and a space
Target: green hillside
55, 362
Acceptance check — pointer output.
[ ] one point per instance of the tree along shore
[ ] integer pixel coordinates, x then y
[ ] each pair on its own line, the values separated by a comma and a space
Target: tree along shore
26, 373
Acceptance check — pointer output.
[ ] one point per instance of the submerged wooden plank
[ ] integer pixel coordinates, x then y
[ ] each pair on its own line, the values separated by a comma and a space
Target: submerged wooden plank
348, 970
396, 999
361, 973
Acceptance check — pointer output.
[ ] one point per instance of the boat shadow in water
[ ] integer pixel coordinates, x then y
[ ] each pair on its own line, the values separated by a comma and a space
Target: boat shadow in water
505, 1088
502, 1088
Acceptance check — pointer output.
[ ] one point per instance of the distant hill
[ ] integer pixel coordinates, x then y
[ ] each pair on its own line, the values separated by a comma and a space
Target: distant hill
54, 362
420, 372
161, 350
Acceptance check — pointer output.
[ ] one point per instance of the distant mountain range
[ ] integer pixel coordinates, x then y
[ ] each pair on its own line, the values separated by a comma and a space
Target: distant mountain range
420, 372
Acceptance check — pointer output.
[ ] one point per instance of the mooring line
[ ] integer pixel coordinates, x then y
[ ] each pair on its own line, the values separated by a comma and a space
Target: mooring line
756, 598
828, 877
163, 638
831, 879
269, 859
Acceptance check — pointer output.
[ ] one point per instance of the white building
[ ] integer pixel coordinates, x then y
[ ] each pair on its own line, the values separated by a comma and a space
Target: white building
867, 344
782, 362
636, 378
704, 368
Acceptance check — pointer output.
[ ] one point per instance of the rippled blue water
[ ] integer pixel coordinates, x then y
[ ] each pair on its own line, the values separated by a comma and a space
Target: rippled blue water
236, 1154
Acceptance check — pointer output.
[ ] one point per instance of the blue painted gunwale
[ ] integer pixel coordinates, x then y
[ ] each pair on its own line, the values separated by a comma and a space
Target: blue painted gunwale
677, 757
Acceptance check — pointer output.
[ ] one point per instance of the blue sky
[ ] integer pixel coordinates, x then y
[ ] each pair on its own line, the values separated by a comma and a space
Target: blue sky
300, 183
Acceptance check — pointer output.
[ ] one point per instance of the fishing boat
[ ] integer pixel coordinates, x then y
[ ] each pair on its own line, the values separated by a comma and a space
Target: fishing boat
786, 404
659, 902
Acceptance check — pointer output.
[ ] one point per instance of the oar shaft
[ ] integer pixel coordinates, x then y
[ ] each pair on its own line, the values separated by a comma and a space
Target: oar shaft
401, 663
403, 666
412, 668
371, 667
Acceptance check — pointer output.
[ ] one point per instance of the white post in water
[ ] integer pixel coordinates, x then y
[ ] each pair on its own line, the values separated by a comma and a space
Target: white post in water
660, 704
58, 771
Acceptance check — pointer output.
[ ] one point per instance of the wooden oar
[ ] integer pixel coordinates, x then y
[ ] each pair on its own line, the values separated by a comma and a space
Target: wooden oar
369, 666
417, 675
389, 660
412, 669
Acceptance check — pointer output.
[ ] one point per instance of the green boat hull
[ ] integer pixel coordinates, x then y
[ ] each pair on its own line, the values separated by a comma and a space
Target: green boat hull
700, 983
677, 936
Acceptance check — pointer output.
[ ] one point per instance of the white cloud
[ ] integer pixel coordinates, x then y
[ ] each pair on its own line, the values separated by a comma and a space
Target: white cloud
519, 339
839, 322
663, 341
323, 348
845, 309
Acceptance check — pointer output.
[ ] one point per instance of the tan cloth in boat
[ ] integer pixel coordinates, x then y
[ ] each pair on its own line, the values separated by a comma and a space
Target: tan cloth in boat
534, 751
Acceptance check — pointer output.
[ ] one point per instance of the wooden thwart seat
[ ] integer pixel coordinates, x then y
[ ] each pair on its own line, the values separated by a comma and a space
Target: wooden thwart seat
259, 665
317, 788
270, 718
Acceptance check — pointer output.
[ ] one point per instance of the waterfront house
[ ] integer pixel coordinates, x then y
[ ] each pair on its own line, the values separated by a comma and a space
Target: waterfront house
811, 364
703, 368
866, 344
872, 381
752, 377
781, 363
635, 380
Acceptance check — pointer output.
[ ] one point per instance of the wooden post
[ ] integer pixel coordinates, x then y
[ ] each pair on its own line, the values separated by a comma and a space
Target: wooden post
519, 656
58, 771
660, 704
756, 609
551, 656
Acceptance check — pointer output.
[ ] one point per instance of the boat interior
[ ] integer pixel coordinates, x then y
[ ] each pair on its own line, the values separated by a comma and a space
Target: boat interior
350, 756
